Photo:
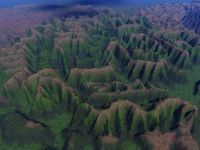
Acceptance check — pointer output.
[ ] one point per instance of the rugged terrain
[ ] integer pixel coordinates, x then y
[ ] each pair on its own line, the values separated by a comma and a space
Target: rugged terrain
191, 19
111, 80
167, 16
17, 21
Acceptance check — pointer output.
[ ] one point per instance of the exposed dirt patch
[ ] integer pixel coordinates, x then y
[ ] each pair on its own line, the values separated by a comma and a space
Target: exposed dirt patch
160, 141
109, 140
186, 143
32, 125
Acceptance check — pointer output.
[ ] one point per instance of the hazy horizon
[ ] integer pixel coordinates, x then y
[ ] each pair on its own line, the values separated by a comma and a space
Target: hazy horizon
10, 3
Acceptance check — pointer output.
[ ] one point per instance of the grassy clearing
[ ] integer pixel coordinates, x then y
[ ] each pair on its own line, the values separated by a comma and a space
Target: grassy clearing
15, 146
185, 91
56, 124
128, 145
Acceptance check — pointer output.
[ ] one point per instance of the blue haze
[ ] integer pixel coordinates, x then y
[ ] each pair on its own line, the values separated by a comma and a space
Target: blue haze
9, 3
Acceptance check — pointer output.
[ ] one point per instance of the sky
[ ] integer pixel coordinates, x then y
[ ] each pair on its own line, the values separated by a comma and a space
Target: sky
8, 3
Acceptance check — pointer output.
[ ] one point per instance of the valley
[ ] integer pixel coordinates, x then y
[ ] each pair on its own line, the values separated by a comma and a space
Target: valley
114, 79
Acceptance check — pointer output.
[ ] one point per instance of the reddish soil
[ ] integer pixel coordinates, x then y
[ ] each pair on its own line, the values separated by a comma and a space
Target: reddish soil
32, 125
160, 141
16, 21
109, 139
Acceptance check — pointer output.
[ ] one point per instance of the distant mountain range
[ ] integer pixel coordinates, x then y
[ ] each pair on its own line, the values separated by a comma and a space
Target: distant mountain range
192, 18
10, 3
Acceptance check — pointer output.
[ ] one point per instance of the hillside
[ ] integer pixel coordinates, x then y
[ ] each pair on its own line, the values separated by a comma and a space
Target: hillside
18, 20
191, 19
111, 80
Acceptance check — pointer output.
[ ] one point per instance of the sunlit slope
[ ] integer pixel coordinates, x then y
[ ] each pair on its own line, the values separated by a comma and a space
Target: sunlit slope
97, 78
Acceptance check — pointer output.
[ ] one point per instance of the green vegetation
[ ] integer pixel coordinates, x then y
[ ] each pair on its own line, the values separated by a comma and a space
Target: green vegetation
3, 78
56, 124
128, 145
89, 83
185, 91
